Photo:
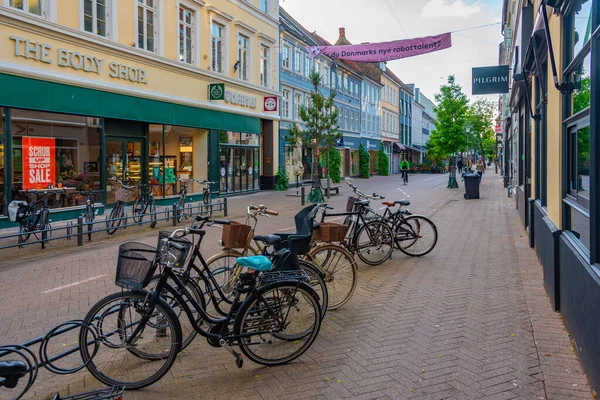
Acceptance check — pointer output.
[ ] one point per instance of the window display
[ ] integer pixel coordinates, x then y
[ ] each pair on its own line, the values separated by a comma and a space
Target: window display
2, 143
54, 150
239, 161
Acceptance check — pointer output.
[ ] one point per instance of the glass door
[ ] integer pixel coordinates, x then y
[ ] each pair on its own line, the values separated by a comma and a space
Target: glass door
125, 162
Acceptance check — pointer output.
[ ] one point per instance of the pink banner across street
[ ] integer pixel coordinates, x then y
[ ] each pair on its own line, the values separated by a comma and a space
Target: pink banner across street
385, 51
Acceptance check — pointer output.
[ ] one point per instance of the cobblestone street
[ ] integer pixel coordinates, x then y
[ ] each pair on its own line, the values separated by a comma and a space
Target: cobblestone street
470, 320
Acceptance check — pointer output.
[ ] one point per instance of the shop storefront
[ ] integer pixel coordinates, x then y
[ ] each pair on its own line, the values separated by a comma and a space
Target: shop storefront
388, 149
398, 148
239, 162
372, 145
350, 156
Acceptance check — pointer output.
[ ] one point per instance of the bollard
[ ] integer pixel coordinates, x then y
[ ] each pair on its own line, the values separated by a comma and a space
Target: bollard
175, 214
80, 231
328, 189
224, 206
302, 190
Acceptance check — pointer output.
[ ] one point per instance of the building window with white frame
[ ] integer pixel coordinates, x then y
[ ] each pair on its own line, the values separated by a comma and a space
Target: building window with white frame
186, 35
297, 62
35, 7
346, 120
307, 68
326, 75
243, 55
264, 6
285, 103
218, 36
95, 17
147, 28
285, 56
264, 65
297, 104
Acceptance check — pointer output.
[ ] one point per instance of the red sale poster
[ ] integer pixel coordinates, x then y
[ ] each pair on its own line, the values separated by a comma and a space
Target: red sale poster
39, 162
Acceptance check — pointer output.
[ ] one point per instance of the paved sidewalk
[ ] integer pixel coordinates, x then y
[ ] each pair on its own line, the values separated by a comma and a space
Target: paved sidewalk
468, 321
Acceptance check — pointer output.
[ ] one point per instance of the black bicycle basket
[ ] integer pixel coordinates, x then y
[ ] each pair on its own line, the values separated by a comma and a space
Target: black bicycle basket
136, 265
350, 203
181, 256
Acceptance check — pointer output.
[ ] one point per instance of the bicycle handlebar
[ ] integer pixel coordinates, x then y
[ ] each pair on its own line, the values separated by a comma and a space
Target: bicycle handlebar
122, 184
373, 196
260, 210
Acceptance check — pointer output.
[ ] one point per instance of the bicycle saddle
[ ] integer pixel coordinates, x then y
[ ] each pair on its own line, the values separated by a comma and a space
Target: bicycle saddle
393, 203
11, 372
271, 240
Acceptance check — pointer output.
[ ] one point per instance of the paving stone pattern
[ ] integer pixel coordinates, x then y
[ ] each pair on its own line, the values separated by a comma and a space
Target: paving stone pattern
471, 320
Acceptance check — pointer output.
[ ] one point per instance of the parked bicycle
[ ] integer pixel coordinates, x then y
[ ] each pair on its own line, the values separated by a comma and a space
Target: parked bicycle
182, 196
90, 213
123, 195
276, 322
144, 204
244, 238
34, 217
207, 198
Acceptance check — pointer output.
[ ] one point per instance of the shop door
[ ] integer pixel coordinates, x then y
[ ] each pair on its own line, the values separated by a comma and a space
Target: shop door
125, 161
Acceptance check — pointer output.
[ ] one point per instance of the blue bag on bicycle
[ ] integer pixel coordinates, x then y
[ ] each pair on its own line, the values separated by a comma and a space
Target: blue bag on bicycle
258, 263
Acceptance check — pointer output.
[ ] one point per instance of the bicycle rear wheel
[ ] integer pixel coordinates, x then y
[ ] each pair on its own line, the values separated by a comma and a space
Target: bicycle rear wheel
152, 211
341, 272
317, 283
114, 220
117, 362
180, 209
207, 204
374, 243
225, 270
416, 235
283, 319
23, 235
139, 209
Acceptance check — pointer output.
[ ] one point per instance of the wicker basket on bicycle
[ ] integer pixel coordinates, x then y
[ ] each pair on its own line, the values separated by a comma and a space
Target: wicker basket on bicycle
330, 232
123, 195
350, 203
235, 235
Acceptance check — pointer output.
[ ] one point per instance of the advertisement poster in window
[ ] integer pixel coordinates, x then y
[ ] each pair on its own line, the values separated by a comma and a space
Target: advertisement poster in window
39, 162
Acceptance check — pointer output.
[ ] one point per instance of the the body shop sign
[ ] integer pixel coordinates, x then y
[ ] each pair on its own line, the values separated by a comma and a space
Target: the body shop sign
39, 162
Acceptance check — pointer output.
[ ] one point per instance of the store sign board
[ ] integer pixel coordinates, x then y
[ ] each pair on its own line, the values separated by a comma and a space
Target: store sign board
216, 91
39, 162
270, 103
44, 53
490, 80
498, 128
239, 99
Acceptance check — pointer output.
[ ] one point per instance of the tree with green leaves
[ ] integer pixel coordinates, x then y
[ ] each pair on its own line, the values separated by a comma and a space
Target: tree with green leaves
481, 136
334, 159
320, 129
449, 135
384, 162
364, 161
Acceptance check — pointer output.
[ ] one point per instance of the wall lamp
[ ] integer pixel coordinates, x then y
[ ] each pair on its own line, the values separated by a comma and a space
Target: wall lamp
564, 87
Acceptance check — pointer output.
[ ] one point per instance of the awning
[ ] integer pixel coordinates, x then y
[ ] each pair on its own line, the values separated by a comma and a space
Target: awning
398, 147
413, 148
423, 149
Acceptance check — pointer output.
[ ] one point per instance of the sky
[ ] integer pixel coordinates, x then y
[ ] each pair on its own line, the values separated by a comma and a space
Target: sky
384, 20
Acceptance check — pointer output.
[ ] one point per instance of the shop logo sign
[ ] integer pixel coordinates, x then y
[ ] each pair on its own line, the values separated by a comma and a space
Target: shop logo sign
39, 162
490, 80
270, 103
216, 91
239, 99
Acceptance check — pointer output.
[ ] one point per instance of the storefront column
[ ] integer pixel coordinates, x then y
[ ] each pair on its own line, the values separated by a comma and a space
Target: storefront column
213, 158
7, 158
269, 156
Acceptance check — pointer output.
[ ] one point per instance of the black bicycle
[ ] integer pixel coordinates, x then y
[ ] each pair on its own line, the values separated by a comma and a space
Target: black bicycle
144, 204
206, 199
34, 217
123, 195
182, 196
276, 322
405, 176
90, 213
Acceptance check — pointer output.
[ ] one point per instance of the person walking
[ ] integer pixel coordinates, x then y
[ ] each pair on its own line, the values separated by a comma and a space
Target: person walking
480, 168
404, 167
460, 166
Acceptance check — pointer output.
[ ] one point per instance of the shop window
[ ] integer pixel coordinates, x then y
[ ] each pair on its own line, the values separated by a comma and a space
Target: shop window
264, 65
2, 155
186, 35
55, 150
35, 7
243, 50
582, 26
218, 35
583, 80
239, 161
147, 27
184, 158
95, 17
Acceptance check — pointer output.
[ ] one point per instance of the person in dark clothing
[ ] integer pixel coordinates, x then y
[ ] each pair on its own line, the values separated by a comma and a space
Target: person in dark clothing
460, 166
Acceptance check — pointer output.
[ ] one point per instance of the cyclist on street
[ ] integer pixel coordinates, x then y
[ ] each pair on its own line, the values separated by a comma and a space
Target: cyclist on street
404, 167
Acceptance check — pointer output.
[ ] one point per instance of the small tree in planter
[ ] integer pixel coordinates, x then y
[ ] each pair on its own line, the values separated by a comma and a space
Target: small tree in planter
384, 162
334, 159
320, 129
364, 160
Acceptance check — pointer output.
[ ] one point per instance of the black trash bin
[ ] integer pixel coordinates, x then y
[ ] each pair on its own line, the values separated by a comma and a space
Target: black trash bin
471, 186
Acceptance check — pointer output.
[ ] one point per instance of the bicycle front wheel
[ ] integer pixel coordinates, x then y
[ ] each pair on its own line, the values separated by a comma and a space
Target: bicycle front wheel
279, 322
225, 271
180, 208
139, 208
340, 270
114, 220
119, 360
317, 282
374, 243
416, 235
207, 204
152, 210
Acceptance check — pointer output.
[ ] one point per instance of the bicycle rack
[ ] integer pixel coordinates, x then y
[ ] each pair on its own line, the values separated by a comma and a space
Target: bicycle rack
69, 229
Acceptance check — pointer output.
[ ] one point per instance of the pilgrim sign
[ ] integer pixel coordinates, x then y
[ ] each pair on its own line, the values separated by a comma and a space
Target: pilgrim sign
490, 80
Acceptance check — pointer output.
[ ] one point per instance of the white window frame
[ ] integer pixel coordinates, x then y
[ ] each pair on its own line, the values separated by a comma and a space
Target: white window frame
306, 61
194, 26
267, 81
110, 18
158, 19
248, 50
264, 6
326, 75
297, 104
289, 57
298, 61
46, 6
285, 103
224, 41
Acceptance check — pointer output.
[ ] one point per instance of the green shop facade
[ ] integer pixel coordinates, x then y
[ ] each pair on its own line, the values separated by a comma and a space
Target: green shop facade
98, 136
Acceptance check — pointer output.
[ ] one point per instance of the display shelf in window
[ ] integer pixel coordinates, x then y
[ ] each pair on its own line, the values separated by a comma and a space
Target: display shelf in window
162, 172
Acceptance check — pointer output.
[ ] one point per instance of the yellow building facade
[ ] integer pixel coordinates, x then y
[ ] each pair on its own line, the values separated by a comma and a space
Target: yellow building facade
150, 92
390, 118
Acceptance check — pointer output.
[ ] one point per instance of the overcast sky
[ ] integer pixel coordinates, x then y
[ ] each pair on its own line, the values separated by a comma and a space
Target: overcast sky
373, 21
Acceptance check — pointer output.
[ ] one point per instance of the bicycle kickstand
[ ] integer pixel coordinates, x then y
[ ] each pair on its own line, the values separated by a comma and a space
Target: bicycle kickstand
239, 360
